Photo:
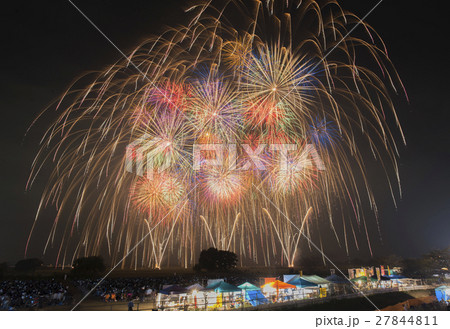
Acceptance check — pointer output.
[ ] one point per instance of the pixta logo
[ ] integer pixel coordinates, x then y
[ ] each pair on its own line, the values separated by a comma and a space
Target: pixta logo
139, 157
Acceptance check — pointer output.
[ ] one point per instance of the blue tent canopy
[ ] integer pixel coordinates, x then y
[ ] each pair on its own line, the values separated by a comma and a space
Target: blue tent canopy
255, 297
288, 277
396, 276
442, 293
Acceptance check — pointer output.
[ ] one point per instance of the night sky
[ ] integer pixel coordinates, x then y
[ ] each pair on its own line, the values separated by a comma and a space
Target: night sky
47, 44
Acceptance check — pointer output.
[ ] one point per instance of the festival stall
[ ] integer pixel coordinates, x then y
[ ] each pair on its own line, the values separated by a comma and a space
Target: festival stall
317, 280
442, 293
278, 290
221, 295
338, 284
402, 281
304, 288
172, 297
364, 282
336, 279
323, 284
196, 298
252, 294
288, 277
382, 281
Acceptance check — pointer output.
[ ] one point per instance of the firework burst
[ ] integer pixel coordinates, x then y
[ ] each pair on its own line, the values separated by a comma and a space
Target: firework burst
260, 74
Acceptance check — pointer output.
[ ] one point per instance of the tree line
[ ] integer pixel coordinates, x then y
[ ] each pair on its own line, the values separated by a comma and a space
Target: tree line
434, 262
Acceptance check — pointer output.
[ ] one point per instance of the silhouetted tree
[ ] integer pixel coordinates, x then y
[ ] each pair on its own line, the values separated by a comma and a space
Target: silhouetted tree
227, 260
28, 265
434, 262
438, 258
217, 260
91, 265
416, 268
391, 260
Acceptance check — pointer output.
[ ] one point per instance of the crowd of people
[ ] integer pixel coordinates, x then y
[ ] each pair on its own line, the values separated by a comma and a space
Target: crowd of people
125, 289
20, 294
118, 289
39, 293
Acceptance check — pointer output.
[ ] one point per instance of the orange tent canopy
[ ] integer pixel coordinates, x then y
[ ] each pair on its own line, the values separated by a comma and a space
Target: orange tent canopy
268, 280
278, 285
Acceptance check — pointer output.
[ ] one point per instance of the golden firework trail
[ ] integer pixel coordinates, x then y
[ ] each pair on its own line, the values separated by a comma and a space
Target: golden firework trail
255, 74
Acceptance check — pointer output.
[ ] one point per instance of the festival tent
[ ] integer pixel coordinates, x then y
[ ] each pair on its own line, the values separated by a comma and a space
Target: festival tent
255, 297
174, 294
304, 287
288, 277
195, 296
401, 279
217, 291
277, 285
336, 279
267, 280
321, 282
299, 282
315, 279
442, 293
338, 284
363, 279
195, 287
247, 286
211, 281
396, 277
222, 286
253, 294
173, 290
